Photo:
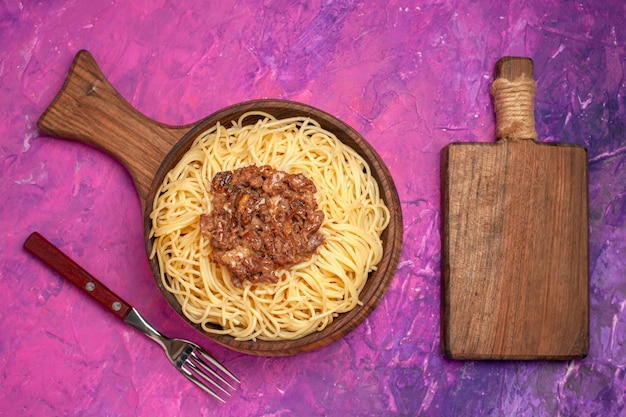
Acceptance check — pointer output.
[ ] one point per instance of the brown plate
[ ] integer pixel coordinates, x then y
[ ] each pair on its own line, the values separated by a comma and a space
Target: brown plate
88, 109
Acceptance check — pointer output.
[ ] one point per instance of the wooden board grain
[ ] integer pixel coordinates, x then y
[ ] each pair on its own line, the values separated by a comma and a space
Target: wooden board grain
89, 109
515, 251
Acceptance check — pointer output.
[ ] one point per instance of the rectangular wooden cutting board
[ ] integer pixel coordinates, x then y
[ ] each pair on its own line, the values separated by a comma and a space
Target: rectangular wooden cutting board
515, 270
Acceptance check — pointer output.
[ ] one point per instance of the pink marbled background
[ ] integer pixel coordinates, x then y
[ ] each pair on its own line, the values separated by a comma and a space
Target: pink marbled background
410, 76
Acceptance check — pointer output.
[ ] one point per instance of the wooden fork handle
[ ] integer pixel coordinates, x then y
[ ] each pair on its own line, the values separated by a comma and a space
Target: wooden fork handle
70, 270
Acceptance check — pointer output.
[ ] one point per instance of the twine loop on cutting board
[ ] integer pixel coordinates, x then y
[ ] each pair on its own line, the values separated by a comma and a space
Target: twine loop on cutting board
514, 108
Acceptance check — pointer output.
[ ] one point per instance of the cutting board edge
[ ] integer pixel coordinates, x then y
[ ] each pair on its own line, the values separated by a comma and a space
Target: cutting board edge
450, 145
445, 264
462, 357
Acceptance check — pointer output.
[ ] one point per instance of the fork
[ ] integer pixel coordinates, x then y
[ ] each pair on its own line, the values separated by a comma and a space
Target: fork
190, 359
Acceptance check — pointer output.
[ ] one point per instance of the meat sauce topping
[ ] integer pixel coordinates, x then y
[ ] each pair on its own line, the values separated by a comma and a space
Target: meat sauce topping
262, 220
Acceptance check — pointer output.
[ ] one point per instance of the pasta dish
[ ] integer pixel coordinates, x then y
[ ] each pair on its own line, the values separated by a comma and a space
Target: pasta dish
303, 297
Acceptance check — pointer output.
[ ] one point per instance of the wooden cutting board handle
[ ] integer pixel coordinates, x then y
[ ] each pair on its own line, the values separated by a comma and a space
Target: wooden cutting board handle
515, 239
513, 92
88, 109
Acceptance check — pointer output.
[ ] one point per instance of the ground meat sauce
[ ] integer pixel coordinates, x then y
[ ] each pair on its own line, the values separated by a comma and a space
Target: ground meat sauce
262, 220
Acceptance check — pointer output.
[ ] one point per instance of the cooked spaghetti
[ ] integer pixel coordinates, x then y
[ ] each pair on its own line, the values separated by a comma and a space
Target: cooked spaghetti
308, 295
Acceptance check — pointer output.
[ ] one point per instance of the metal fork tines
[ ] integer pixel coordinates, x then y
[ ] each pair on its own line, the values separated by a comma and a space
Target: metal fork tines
190, 359
196, 364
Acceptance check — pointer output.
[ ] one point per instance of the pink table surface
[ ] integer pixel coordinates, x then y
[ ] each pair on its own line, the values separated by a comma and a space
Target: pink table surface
411, 77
